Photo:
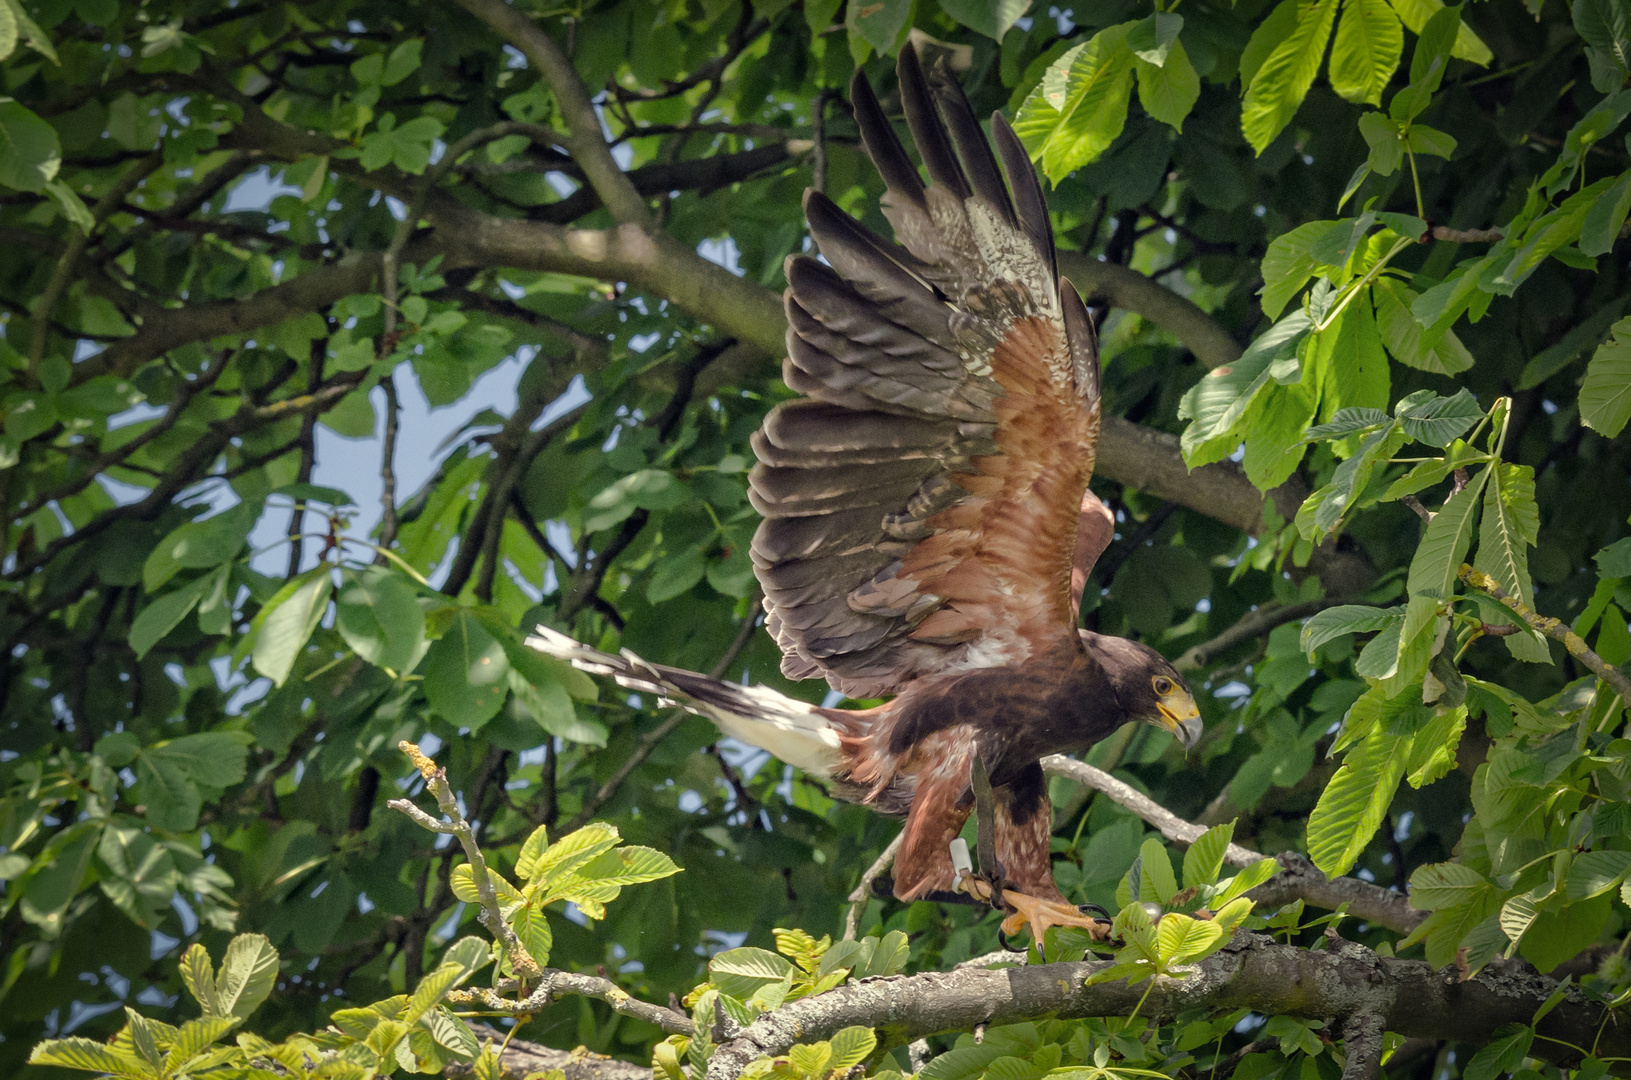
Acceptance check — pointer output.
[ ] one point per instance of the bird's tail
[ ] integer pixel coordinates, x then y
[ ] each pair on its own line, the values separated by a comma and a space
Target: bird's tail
794, 731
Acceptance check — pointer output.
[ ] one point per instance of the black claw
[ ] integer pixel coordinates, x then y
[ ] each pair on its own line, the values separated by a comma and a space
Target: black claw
1094, 909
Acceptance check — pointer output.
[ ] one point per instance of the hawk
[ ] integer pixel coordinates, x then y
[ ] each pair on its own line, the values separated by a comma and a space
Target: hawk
927, 524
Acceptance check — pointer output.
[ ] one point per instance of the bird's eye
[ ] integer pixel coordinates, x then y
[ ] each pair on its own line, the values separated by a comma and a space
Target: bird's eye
1163, 685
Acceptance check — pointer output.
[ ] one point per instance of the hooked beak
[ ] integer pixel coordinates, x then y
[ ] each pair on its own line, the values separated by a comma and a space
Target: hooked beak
1180, 716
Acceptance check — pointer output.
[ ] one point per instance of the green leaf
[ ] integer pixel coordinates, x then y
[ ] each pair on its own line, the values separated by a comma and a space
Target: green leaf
379, 617
628, 866
1505, 1051
196, 1036
1593, 873
88, 1055
1432, 755
286, 624
676, 575
164, 614
1169, 91
1439, 352
1217, 404
1605, 396
992, 18
137, 873
1159, 884
1204, 859
878, 23
1279, 86
1445, 885
1080, 106
403, 61
1422, 139
646, 489
406, 145
739, 972
1605, 25
575, 849
466, 673
1354, 802
1350, 421
1152, 37
1385, 141
1509, 527
532, 927
1181, 939
1334, 622
1289, 263
1245, 881
1415, 14
199, 978
29, 152
248, 975
1614, 561
1368, 45
851, 1046
200, 544
1439, 421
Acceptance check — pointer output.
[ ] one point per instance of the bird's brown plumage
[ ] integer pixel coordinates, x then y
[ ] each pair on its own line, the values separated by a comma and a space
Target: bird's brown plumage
927, 526
923, 502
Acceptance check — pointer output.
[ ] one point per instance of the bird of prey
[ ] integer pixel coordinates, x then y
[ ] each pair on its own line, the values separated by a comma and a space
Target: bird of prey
924, 504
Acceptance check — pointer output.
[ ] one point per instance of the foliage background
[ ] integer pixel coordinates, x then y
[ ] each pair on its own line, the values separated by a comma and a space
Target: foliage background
239, 244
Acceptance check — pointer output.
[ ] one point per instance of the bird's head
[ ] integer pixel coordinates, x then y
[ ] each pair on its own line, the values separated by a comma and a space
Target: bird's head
1147, 686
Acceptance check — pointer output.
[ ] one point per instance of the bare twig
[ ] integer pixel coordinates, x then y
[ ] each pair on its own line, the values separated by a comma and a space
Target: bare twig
553, 983
1253, 624
1170, 825
1552, 628
387, 469
62, 274
861, 895
491, 917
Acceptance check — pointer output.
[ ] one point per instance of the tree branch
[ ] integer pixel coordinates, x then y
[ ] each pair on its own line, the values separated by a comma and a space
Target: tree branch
1170, 825
1251, 972
1253, 624
583, 136
1300, 879
523, 1058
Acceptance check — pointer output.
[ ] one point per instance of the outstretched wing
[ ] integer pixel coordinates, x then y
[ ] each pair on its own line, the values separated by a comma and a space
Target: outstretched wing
921, 501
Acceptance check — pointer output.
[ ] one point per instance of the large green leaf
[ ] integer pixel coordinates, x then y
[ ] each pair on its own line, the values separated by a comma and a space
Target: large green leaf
1279, 86
1368, 45
1355, 801
993, 18
1605, 396
29, 152
247, 976
1080, 106
379, 617
1444, 545
466, 673
286, 624
164, 614
1169, 92
1442, 885
1509, 527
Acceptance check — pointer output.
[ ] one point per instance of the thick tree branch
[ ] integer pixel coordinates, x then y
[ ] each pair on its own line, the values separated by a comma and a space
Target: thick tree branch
1123, 287
583, 137
1252, 972
1300, 879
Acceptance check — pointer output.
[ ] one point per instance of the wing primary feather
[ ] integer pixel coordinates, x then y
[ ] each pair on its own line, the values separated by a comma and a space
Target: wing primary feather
1084, 342
927, 130
970, 142
883, 146
1029, 205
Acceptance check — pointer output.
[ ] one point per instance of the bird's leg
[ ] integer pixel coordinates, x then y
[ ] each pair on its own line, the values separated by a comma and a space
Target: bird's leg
991, 880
